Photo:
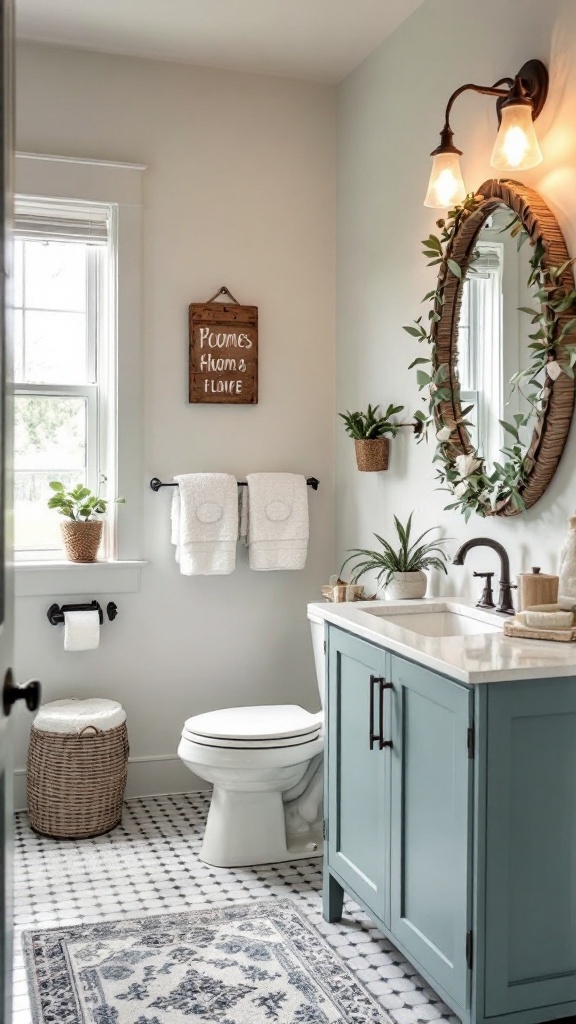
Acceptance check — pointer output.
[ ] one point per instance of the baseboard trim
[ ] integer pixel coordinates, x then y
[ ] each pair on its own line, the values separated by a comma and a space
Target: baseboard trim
147, 776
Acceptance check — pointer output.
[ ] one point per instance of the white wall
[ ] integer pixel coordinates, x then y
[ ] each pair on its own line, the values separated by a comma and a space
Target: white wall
391, 110
238, 191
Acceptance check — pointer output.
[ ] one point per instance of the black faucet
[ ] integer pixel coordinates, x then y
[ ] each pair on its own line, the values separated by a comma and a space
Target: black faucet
505, 605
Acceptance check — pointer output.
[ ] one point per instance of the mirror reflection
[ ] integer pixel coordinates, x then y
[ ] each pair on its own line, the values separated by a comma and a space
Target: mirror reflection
493, 334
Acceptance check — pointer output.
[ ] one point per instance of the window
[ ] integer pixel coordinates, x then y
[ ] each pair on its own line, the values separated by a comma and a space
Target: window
78, 386
479, 349
63, 342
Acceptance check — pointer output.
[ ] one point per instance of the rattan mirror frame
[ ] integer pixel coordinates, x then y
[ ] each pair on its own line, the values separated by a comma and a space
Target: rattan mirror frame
551, 429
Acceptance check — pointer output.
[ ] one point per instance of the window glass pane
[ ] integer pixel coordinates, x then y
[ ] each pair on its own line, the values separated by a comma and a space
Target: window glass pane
55, 275
49, 444
18, 278
54, 348
18, 345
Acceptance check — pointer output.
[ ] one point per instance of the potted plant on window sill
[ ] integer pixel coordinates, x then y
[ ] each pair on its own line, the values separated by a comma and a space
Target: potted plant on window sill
402, 569
81, 529
369, 430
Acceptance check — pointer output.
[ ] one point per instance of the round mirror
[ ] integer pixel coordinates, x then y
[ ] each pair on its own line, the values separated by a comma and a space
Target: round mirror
503, 331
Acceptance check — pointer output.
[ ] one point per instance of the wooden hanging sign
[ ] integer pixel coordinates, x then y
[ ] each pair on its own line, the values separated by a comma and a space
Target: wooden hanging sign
223, 353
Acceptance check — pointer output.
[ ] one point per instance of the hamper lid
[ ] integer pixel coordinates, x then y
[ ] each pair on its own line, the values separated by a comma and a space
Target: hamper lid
72, 715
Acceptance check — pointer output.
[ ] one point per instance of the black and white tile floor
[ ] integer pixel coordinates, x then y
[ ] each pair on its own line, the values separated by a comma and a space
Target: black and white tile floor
151, 863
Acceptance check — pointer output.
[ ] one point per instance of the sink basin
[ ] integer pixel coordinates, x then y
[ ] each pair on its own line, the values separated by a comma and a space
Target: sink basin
437, 622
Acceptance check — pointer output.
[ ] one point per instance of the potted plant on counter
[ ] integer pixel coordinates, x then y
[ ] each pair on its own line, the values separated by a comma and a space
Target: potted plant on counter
403, 568
82, 529
369, 430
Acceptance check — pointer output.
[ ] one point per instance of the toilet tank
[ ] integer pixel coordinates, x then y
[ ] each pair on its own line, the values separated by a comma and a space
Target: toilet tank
317, 630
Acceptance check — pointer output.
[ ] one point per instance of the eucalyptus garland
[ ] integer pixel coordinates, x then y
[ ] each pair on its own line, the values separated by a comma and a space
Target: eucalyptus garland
463, 473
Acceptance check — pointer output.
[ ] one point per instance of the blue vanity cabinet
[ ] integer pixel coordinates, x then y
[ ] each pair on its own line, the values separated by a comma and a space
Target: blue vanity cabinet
458, 838
357, 776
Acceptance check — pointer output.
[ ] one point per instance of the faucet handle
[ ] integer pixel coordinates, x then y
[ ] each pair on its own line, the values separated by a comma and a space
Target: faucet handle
487, 599
505, 603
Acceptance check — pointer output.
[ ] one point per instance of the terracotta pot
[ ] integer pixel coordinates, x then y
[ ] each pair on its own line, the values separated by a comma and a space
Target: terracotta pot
407, 585
82, 540
372, 454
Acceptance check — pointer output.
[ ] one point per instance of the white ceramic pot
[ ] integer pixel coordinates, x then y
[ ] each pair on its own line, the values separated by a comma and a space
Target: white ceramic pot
407, 585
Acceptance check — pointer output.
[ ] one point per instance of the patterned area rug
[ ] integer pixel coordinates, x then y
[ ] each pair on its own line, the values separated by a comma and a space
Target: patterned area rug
251, 963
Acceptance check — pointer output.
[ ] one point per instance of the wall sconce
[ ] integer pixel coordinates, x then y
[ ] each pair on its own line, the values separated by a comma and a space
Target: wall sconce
519, 101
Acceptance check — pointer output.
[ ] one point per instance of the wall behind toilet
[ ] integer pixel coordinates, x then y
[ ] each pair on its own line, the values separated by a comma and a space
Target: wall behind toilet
238, 191
390, 111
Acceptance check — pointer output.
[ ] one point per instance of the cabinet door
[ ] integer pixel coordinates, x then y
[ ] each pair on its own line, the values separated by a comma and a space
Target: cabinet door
359, 769
431, 804
530, 846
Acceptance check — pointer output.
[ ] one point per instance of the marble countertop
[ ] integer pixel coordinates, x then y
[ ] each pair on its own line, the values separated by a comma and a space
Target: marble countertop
481, 658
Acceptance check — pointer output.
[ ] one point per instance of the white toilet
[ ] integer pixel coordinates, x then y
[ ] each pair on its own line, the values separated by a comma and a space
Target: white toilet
266, 767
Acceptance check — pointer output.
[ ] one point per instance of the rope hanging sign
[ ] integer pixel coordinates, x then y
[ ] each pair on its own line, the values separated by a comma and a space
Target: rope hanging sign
223, 352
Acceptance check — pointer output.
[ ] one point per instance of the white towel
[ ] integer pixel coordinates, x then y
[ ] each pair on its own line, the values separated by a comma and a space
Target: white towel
277, 526
205, 523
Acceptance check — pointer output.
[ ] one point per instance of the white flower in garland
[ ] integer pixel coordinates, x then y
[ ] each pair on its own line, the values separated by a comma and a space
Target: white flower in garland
460, 489
443, 434
467, 465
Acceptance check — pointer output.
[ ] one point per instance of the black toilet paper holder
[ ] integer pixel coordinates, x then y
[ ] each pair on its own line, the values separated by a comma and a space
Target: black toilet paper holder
55, 613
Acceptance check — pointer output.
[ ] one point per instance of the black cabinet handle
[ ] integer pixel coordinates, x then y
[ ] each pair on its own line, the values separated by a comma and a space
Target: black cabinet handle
372, 735
383, 686
379, 736
29, 692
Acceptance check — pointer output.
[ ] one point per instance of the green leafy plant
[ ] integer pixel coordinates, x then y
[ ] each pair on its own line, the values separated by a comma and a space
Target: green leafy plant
464, 476
79, 503
365, 426
408, 557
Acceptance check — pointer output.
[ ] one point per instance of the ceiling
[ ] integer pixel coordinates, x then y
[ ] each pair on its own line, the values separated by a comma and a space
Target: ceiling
314, 39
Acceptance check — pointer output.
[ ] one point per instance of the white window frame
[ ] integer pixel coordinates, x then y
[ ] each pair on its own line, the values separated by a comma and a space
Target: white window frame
119, 186
94, 393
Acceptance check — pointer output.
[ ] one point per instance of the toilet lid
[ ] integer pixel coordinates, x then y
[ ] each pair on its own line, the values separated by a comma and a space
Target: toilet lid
270, 722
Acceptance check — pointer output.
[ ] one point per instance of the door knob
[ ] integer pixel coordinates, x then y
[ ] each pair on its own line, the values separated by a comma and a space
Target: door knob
30, 692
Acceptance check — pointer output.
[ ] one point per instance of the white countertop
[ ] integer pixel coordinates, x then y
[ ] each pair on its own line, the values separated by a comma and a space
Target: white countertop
482, 658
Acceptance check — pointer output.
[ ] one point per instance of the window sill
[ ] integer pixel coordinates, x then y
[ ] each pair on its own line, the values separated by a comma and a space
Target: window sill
35, 579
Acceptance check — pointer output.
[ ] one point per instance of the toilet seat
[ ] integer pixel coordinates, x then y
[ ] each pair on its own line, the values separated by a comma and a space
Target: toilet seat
261, 727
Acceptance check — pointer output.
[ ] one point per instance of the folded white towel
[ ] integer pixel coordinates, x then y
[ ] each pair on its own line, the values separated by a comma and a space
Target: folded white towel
205, 523
535, 619
278, 527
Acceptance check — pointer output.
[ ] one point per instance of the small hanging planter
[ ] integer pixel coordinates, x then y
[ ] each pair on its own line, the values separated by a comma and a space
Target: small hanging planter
368, 430
372, 454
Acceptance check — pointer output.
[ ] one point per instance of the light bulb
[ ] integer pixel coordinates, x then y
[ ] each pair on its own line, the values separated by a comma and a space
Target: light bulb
516, 147
446, 186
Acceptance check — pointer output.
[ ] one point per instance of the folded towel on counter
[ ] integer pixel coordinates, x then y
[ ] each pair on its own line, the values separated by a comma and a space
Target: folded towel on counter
274, 520
533, 618
205, 523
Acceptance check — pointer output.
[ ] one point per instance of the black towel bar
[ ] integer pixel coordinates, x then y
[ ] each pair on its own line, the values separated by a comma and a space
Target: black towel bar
156, 484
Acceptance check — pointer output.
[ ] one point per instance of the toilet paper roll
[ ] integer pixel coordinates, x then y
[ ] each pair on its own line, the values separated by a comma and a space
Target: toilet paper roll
81, 631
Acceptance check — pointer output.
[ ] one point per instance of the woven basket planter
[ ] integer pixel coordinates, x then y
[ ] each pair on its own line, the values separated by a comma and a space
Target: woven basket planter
82, 540
372, 454
76, 781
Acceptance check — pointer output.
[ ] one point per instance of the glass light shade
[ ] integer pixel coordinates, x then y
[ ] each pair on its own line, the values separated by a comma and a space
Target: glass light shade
516, 147
446, 186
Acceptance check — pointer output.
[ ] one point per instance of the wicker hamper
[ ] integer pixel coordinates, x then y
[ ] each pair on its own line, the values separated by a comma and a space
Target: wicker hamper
76, 780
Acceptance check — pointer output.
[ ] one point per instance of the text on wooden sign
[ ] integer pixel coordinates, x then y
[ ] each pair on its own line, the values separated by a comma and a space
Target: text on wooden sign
223, 353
